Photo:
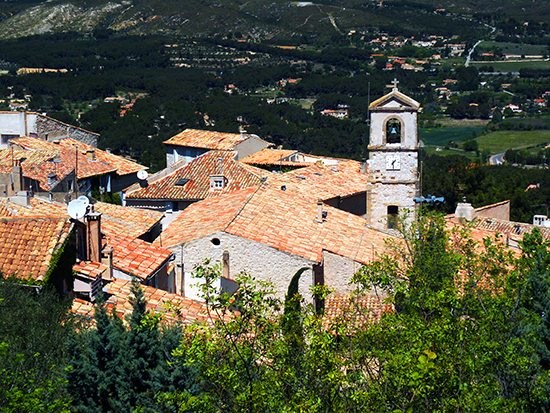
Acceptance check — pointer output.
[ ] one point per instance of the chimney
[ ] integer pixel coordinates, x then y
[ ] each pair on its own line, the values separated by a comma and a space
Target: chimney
319, 218
93, 236
17, 178
90, 154
107, 260
52, 179
465, 211
225, 264
364, 166
22, 198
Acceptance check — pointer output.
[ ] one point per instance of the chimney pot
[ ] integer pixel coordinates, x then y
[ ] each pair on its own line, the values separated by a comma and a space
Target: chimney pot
319, 211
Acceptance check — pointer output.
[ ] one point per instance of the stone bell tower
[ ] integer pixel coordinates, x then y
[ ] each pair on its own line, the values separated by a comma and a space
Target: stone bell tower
393, 160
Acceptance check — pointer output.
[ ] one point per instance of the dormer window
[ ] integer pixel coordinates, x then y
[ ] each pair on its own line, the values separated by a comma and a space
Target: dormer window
217, 182
393, 131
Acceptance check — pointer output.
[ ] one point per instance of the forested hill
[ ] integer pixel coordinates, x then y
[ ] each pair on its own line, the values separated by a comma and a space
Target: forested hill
263, 20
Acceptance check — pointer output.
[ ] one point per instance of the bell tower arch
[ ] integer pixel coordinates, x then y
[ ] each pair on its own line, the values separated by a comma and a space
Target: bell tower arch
393, 179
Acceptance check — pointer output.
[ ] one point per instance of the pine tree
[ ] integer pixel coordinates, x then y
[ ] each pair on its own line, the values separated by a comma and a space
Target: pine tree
97, 380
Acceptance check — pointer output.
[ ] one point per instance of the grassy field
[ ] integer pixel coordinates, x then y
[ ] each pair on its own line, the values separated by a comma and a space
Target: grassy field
497, 142
430, 150
514, 66
442, 136
516, 48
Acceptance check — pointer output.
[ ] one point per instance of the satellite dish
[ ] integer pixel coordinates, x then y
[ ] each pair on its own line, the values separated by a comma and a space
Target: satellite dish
76, 209
84, 199
142, 175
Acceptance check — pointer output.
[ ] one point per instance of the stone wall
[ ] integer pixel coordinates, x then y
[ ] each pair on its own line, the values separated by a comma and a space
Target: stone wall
257, 259
338, 272
386, 194
50, 129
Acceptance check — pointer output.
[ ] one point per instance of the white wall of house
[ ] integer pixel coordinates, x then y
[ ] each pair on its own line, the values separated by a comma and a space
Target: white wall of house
257, 259
192, 287
249, 146
16, 124
338, 272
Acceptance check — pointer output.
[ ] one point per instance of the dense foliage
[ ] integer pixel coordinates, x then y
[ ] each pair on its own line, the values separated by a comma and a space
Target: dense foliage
34, 326
468, 332
116, 368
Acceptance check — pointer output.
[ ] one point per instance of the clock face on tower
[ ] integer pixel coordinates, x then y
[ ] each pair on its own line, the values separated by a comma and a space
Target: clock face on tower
393, 162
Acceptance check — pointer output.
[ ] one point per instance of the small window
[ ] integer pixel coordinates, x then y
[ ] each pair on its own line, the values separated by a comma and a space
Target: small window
393, 213
215, 241
217, 182
6, 138
393, 131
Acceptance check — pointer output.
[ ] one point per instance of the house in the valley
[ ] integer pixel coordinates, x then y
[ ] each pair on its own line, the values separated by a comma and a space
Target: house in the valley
270, 233
192, 143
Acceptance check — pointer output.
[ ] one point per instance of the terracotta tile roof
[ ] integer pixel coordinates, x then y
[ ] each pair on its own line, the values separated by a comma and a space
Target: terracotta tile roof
349, 311
135, 256
27, 244
323, 182
122, 165
70, 158
90, 269
281, 220
126, 220
118, 296
510, 229
208, 139
204, 218
192, 181
492, 205
35, 165
273, 157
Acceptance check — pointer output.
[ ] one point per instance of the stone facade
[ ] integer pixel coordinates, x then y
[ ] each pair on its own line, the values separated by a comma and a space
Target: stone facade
257, 259
17, 124
338, 272
51, 129
393, 162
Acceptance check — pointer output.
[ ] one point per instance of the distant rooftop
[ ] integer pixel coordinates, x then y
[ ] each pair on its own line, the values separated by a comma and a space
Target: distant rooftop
209, 139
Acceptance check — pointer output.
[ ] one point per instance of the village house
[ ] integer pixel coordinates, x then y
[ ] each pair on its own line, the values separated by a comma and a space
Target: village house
17, 124
275, 160
211, 174
271, 233
139, 223
106, 249
54, 165
192, 143
173, 307
33, 249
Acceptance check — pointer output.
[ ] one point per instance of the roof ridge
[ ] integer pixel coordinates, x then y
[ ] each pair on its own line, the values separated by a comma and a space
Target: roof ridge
242, 207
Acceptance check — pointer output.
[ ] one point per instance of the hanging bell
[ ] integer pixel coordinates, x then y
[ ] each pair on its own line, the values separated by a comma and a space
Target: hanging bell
393, 130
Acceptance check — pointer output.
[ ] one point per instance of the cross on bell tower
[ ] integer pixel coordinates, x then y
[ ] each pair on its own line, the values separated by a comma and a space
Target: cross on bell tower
395, 82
